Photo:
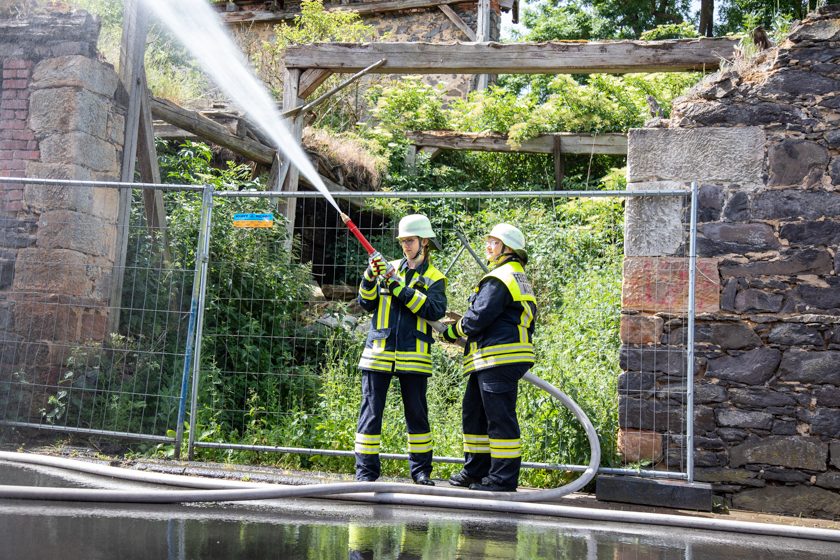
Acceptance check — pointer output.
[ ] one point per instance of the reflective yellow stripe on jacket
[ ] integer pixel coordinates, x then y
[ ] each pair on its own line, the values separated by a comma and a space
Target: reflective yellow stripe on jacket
512, 275
381, 355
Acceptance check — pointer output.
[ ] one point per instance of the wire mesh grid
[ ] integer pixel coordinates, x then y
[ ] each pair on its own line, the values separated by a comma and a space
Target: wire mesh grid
90, 341
283, 333
654, 388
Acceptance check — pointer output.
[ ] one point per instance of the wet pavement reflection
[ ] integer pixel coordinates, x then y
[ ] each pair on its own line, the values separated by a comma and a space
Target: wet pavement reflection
326, 529
34, 530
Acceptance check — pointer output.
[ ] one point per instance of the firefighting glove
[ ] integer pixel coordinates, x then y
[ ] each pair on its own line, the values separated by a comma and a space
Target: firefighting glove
395, 287
450, 334
377, 266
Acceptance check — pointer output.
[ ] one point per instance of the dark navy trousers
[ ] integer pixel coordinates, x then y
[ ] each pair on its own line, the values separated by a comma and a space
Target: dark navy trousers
369, 429
492, 448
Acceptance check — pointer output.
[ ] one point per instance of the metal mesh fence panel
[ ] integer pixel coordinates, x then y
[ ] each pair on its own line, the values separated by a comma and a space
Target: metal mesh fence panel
654, 388
283, 334
95, 307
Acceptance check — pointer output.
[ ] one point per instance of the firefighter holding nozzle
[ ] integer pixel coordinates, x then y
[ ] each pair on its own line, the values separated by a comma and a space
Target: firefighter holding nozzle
403, 295
499, 350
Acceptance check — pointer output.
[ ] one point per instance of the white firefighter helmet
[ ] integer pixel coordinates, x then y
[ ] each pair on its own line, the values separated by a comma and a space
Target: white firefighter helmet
509, 235
415, 225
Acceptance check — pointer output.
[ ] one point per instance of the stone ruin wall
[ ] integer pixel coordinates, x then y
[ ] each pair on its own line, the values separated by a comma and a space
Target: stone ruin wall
420, 25
764, 144
59, 120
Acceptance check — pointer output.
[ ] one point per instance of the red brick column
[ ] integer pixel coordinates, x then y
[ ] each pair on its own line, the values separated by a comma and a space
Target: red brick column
17, 141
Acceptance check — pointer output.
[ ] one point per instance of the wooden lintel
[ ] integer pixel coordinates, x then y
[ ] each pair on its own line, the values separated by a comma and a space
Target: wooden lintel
205, 128
613, 57
310, 80
459, 23
612, 143
364, 8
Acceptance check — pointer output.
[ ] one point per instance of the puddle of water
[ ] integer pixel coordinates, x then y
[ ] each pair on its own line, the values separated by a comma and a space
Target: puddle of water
322, 529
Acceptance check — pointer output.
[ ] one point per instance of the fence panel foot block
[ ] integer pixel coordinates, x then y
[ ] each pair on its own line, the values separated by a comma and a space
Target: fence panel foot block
676, 494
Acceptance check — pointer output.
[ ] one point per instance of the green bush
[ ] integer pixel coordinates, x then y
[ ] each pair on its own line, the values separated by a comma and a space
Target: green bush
255, 290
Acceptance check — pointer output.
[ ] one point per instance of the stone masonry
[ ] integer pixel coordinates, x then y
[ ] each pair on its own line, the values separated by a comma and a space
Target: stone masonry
58, 120
763, 141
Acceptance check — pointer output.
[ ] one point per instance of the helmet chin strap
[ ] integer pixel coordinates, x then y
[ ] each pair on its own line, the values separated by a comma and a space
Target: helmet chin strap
506, 252
420, 251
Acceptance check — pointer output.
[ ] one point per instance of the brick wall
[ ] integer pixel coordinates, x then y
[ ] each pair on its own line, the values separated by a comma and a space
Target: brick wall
17, 141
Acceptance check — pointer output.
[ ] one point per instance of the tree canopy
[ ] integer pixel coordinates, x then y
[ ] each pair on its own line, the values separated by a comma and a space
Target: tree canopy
630, 19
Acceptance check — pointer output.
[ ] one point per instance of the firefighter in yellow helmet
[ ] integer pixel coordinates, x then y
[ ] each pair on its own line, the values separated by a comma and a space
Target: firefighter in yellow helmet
499, 328
399, 345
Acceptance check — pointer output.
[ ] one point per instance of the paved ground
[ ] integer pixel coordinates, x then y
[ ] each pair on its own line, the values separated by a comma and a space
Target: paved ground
254, 473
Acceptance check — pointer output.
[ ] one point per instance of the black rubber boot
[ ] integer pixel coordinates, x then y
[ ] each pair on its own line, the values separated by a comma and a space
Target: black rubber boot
462, 479
487, 485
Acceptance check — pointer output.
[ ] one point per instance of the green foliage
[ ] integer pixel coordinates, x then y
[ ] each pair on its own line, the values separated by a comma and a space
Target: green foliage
521, 109
604, 103
578, 353
170, 70
745, 15
777, 30
122, 384
314, 24
553, 21
496, 109
632, 17
255, 290
400, 106
682, 30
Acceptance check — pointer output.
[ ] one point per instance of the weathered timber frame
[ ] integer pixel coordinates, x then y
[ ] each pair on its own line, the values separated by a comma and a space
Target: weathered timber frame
192, 124
363, 8
557, 144
138, 148
612, 143
609, 57
308, 64
482, 35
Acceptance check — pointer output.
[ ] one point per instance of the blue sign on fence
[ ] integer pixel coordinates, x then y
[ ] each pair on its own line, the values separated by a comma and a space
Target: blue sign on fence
249, 220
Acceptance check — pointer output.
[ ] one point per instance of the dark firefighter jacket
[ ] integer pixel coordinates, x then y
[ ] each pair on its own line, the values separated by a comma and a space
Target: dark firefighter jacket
499, 324
400, 339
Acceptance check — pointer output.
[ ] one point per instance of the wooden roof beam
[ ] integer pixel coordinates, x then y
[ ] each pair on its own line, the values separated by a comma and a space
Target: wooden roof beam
267, 16
208, 130
611, 143
611, 57
459, 23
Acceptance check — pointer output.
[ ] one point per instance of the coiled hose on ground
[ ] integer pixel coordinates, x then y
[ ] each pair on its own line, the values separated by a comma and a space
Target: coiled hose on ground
208, 490
169, 496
